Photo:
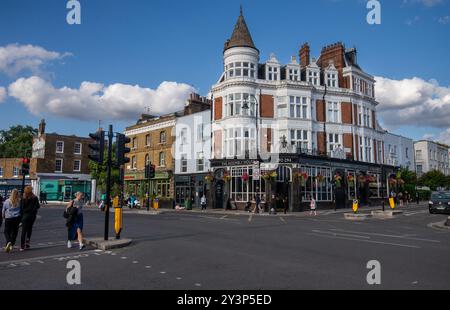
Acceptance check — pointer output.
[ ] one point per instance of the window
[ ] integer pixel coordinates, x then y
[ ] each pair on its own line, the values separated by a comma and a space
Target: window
148, 140
419, 155
183, 136
60, 147
333, 112
272, 73
59, 165
134, 142
200, 132
356, 84
77, 149
1, 172
313, 77
319, 188
331, 79
243, 191
15, 172
364, 116
163, 188
334, 142
419, 169
368, 144
162, 159
133, 163
235, 102
407, 153
77, 166
361, 149
240, 69
184, 163
380, 152
147, 159
200, 162
299, 139
240, 142
162, 137
298, 107
293, 74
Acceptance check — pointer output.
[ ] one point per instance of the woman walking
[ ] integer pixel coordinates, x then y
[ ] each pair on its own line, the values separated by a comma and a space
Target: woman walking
313, 206
12, 215
30, 207
75, 221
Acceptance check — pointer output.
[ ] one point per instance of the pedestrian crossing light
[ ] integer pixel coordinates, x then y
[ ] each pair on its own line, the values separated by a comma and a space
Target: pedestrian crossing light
25, 166
98, 148
122, 149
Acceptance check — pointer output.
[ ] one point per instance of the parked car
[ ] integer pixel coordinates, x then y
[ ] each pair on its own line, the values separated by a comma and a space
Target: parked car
440, 203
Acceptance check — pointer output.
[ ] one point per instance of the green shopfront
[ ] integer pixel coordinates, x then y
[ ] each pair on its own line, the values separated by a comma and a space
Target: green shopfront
64, 189
160, 187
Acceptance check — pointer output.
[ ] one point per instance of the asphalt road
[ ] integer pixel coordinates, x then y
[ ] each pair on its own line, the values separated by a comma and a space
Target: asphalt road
200, 251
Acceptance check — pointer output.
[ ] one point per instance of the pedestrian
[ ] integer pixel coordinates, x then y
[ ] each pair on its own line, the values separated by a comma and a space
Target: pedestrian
312, 205
30, 207
75, 221
12, 214
258, 203
406, 198
45, 198
1, 207
417, 197
285, 205
203, 202
401, 199
41, 197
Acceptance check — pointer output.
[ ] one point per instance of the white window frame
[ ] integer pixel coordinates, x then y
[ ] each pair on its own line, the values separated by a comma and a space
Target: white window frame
162, 159
293, 74
134, 162
61, 143
56, 165
75, 147
333, 112
200, 162
148, 140
313, 77
332, 79
240, 69
334, 141
1, 172
300, 138
16, 172
79, 165
273, 73
183, 163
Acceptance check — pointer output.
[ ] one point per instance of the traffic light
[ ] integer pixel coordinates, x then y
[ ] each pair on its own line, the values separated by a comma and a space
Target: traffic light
150, 171
97, 148
25, 166
122, 149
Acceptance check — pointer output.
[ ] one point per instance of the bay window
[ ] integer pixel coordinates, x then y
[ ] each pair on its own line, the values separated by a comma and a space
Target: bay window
333, 112
298, 107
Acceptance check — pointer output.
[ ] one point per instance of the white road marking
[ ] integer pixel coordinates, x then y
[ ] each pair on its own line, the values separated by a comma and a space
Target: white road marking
368, 241
162, 272
405, 237
135, 262
340, 234
198, 284
250, 218
148, 267
414, 213
123, 257
179, 278
224, 217
283, 220
40, 260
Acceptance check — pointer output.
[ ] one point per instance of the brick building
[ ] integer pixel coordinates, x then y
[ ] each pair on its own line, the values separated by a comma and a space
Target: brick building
60, 164
295, 131
10, 175
152, 141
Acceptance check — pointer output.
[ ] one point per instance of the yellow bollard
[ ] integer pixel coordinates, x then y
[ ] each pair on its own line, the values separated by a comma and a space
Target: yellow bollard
355, 205
118, 221
392, 203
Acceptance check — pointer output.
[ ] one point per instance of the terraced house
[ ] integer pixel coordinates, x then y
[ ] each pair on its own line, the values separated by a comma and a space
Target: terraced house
289, 132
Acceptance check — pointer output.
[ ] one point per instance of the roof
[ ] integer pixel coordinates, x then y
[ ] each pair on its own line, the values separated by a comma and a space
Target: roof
241, 36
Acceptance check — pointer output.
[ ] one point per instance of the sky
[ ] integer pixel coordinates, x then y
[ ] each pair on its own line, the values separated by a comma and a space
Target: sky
131, 57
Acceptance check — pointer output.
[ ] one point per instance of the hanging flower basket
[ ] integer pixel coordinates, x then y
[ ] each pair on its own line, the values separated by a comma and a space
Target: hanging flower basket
351, 179
338, 180
245, 177
302, 177
362, 179
392, 182
266, 176
273, 174
209, 178
227, 176
320, 178
370, 178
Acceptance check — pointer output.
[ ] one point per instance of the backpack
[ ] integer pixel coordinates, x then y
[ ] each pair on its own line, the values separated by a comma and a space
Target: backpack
68, 211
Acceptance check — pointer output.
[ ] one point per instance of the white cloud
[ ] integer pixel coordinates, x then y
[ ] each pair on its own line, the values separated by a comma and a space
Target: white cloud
15, 58
94, 101
444, 137
444, 20
428, 3
2, 94
414, 102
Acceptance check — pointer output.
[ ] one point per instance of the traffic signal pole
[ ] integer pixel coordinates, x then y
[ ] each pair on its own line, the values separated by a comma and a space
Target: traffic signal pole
108, 181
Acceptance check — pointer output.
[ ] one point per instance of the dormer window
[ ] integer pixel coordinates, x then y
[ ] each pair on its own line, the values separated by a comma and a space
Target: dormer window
332, 80
272, 73
313, 77
294, 74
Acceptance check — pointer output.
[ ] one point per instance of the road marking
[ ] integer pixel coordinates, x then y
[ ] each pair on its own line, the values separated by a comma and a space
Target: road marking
41, 259
224, 217
148, 267
405, 237
414, 213
135, 262
123, 257
338, 234
368, 241
162, 272
198, 284
283, 220
179, 278
250, 218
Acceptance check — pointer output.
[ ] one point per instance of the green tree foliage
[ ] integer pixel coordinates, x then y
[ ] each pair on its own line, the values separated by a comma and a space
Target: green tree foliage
99, 173
17, 141
434, 179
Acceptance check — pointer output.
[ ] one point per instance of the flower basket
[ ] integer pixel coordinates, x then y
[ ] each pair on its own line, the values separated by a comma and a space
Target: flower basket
266, 176
209, 178
273, 174
362, 179
227, 176
338, 180
351, 179
245, 177
320, 178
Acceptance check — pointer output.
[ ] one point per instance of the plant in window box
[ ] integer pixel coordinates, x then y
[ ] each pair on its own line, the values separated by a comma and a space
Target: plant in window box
273, 174
338, 180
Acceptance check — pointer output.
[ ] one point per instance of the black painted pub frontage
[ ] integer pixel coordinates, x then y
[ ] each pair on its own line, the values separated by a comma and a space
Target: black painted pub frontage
294, 179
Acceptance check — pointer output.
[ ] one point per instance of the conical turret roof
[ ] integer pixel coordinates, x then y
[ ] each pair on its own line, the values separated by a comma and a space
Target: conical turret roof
241, 36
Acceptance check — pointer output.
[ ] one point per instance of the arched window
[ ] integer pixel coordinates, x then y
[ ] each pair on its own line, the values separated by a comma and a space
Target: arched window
162, 137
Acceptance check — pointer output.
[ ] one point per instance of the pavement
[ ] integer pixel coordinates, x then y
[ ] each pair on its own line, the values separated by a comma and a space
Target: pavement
200, 251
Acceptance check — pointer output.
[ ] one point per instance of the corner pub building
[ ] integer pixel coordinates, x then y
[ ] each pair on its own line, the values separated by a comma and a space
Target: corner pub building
291, 132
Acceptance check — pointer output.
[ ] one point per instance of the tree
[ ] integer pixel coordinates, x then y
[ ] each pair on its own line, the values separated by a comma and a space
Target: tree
17, 141
434, 179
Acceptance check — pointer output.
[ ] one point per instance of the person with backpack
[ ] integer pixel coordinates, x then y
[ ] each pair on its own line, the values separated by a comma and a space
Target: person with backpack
30, 207
75, 221
11, 212
1, 207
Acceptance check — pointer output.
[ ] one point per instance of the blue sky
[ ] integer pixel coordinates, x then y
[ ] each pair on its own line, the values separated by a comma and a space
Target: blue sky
145, 43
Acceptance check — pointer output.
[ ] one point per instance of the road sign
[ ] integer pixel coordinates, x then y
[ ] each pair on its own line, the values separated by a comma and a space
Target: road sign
256, 174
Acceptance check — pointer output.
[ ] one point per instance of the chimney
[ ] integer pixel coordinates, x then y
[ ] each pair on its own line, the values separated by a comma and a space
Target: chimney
41, 130
305, 55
